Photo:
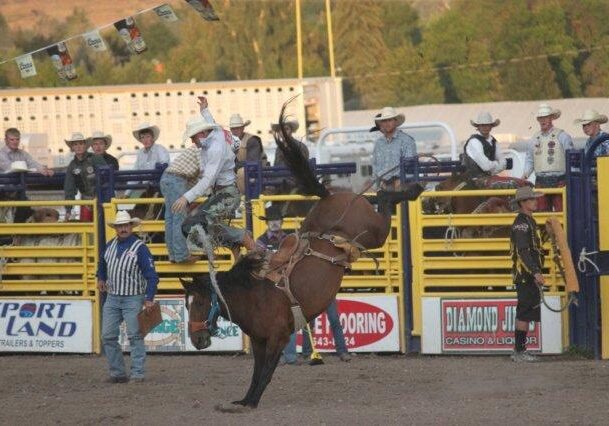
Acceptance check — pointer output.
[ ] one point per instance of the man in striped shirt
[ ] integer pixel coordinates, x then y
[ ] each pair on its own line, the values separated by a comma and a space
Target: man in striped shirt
126, 273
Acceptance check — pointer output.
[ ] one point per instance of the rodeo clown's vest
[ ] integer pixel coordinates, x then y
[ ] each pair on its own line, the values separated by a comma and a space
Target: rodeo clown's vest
489, 149
548, 153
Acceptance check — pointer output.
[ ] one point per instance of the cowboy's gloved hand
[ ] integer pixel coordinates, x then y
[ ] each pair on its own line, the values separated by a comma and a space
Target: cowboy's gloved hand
179, 205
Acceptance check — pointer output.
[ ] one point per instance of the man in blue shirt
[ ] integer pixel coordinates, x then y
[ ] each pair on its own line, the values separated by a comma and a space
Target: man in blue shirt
126, 273
591, 122
390, 148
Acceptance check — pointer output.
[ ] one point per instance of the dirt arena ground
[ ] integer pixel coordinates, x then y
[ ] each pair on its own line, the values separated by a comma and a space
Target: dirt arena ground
369, 390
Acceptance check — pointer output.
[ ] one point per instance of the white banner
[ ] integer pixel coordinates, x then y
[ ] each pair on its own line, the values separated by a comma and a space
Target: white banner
95, 41
26, 66
172, 334
166, 13
369, 324
46, 325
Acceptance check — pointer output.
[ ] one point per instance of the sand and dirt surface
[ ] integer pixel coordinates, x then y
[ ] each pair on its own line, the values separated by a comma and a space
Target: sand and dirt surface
372, 389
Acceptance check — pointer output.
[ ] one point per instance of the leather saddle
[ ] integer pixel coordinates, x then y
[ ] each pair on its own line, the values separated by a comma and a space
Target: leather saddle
279, 264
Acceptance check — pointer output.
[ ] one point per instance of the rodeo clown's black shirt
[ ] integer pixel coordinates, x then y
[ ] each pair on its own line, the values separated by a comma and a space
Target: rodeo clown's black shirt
526, 251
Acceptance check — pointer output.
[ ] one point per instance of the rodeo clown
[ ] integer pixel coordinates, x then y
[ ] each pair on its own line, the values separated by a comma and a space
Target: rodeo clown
527, 261
481, 155
218, 176
546, 156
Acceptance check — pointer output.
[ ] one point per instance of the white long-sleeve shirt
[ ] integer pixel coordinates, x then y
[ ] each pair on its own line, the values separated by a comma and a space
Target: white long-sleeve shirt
147, 159
475, 151
217, 163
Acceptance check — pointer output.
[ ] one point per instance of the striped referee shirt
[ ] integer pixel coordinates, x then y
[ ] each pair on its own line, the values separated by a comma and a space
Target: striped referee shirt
127, 267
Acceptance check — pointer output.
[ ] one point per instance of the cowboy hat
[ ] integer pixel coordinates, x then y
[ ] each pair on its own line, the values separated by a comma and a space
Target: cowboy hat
18, 166
293, 123
485, 118
546, 110
147, 126
272, 213
590, 116
195, 125
76, 137
123, 217
526, 193
100, 135
237, 121
387, 113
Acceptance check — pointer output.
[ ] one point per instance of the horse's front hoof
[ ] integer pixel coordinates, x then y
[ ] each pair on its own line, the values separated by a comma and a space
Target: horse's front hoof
240, 402
232, 408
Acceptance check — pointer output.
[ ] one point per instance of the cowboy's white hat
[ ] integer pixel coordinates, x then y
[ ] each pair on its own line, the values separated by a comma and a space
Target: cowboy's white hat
18, 166
195, 125
237, 121
485, 118
122, 218
546, 110
76, 136
387, 113
100, 135
146, 126
590, 116
526, 193
293, 123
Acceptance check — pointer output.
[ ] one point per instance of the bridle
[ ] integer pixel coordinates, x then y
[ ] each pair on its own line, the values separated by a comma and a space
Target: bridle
211, 323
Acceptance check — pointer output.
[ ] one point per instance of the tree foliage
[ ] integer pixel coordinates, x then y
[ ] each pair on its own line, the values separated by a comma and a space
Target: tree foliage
474, 51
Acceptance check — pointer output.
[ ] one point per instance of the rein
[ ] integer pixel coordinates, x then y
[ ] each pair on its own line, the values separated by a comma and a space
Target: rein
211, 323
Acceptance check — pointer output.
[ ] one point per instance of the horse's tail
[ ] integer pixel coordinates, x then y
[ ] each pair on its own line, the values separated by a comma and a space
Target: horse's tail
297, 163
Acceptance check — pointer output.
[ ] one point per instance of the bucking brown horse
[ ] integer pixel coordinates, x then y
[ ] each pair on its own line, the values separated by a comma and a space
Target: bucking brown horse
338, 224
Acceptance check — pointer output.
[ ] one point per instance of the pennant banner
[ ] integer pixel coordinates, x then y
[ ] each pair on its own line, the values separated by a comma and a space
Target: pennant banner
204, 8
166, 13
131, 35
94, 41
26, 66
62, 61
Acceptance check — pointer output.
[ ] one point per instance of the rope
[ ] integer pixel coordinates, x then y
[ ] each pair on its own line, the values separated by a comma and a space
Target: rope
583, 258
571, 300
450, 234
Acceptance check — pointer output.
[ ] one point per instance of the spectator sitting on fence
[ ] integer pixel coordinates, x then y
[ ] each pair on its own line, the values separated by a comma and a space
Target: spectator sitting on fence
390, 148
546, 156
481, 155
591, 122
149, 156
250, 148
100, 143
80, 175
11, 152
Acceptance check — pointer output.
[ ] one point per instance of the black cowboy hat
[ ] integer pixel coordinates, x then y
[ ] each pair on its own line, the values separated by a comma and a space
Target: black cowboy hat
272, 213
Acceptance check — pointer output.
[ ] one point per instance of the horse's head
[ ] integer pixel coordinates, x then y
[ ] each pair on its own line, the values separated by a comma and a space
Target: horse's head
198, 304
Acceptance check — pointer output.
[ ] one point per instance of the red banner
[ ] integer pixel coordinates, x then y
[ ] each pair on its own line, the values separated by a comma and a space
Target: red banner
482, 325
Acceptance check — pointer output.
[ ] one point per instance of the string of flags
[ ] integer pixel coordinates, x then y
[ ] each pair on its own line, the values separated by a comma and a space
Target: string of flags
127, 29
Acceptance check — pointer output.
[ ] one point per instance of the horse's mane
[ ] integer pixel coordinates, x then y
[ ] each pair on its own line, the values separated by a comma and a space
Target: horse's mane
297, 163
238, 276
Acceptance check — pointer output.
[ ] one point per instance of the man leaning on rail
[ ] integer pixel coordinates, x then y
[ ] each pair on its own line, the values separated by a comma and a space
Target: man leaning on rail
527, 263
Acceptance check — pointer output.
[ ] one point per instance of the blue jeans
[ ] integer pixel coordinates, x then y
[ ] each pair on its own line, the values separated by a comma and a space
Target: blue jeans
172, 188
115, 310
289, 352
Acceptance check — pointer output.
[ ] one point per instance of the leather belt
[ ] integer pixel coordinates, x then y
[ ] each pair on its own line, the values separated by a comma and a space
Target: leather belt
221, 187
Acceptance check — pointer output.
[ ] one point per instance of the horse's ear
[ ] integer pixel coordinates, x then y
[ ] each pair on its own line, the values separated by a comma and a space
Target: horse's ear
188, 285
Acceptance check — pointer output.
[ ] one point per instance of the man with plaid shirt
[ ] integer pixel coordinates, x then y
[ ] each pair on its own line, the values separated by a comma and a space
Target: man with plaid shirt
181, 175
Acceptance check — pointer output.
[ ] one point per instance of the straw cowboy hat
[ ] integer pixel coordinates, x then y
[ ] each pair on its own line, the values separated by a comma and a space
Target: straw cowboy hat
76, 137
146, 126
122, 218
100, 135
18, 167
546, 110
591, 116
272, 213
195, 125
293, 124
485, 118
237, 121
387, 113
526, 193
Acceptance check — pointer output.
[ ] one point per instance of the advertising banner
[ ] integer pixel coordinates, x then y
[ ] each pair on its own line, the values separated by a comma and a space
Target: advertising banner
166, 13
369, 323
204, 8
483, 325
131, 35
26, 66
94, 41
62, 61
486, 325
171, 335
46, 325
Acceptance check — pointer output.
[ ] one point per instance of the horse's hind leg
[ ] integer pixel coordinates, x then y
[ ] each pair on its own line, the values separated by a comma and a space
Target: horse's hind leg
259, 349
